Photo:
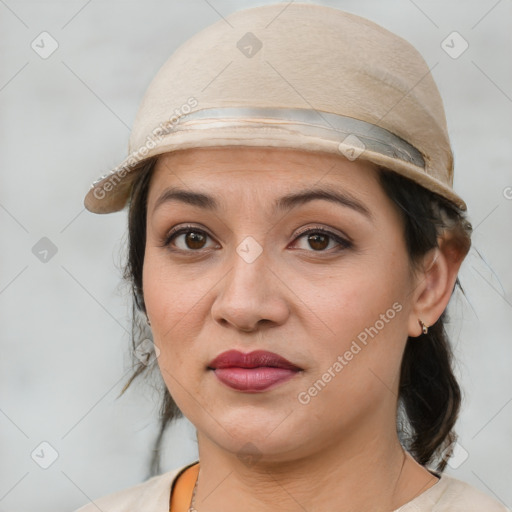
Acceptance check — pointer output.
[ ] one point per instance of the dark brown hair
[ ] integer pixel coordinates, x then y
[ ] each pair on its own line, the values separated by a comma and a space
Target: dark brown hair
429, 395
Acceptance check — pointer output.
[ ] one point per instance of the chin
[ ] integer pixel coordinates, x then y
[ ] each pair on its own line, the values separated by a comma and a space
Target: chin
256, 441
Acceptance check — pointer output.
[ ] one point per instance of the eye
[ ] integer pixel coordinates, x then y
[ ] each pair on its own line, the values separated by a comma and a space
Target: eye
188, 239
320, 239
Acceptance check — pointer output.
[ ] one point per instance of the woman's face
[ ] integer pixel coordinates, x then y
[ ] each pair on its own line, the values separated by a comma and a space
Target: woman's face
297, 253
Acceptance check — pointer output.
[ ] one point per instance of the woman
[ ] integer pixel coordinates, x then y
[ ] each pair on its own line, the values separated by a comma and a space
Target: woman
294, 243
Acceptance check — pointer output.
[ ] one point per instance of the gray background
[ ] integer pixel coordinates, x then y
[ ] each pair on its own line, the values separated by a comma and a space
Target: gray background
65, 320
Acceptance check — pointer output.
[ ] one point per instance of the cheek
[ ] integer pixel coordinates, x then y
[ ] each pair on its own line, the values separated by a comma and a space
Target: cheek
171, 292
170, 307
178, 305
356, 369
171, 300
363, 311
353, 297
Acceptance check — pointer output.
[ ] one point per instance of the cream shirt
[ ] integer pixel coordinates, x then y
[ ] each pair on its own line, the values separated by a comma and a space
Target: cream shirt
153, 495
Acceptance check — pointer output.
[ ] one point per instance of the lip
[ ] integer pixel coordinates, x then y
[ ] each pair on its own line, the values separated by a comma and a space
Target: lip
255, 359
254, 371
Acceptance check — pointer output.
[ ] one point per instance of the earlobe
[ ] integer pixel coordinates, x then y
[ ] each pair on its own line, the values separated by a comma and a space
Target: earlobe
435, 284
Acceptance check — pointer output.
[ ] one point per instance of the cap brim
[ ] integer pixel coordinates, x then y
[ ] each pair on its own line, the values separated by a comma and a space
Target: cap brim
350, 138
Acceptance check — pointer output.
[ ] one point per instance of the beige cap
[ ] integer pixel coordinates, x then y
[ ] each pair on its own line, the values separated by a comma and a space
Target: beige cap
303, 76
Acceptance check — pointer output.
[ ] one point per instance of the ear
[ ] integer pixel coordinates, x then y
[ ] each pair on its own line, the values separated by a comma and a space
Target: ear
435, 282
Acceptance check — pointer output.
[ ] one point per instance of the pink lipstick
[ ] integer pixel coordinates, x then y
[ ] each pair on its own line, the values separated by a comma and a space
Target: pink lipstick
252, 372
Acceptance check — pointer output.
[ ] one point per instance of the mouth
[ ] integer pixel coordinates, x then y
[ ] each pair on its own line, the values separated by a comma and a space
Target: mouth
252, 372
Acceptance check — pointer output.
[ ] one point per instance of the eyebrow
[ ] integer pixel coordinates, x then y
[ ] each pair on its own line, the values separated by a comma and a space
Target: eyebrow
341, 198
287, 202
187, 197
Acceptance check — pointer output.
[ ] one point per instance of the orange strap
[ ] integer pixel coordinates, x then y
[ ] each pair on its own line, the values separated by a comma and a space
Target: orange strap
183, 487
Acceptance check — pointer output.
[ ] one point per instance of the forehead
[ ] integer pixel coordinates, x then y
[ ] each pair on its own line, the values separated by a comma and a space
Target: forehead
253, 182
245, 168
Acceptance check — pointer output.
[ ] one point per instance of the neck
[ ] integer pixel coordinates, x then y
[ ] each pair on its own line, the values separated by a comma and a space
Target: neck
346, 476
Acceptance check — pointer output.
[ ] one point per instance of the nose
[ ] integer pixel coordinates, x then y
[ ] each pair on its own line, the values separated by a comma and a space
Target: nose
250, 295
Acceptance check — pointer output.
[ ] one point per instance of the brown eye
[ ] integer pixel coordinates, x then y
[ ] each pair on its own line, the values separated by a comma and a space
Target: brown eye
187, 240
318, 242
194, 240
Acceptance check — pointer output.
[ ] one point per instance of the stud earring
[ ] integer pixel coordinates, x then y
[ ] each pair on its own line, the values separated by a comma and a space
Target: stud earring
424, 328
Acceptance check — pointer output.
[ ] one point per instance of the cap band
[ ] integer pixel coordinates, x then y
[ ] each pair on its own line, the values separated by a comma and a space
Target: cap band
325, 125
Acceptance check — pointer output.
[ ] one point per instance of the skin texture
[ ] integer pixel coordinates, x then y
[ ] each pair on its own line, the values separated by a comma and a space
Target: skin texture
306, 299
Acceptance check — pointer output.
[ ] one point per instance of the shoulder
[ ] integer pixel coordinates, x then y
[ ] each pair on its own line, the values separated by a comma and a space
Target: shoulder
152, 494
453, 495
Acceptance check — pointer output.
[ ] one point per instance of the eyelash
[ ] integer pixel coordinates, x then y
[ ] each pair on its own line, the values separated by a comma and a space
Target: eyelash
342, 242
